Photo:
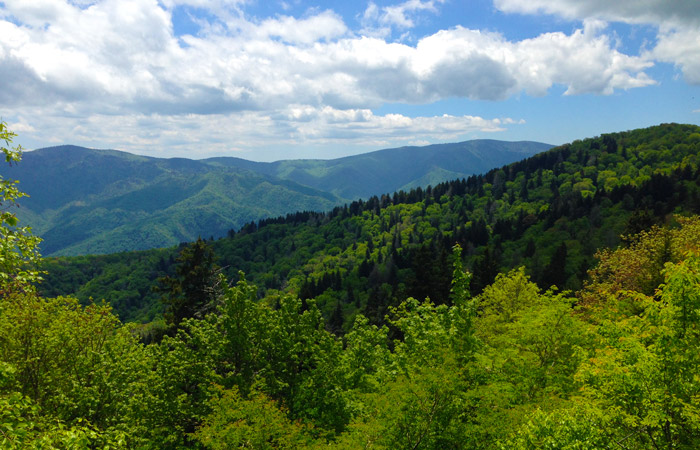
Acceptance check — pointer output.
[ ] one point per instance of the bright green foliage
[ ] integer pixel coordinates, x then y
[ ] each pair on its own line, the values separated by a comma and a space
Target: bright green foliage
75, 362
514, 367
22, 426
180, 382
460, 279
425, 408
19, 251
302, 365
578, 428
639, 266
504, 299
70, 372
285, 354
532, 344
430, 332
533, 341
366, 362
422, 401
646, 371
464, 308
242, 323
256, 422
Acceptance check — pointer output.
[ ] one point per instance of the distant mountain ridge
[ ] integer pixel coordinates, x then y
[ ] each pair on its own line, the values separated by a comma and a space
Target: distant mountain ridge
390, 170
85, 201
103, 201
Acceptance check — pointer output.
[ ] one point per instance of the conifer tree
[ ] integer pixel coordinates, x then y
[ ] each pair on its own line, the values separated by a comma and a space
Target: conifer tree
191, 292
555, 272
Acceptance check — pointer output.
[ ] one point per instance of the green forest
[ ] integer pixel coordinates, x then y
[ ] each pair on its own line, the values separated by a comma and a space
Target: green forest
108, 201
552, 303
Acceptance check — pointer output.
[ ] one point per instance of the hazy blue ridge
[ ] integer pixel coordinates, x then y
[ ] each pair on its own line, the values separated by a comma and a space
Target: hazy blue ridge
386, 171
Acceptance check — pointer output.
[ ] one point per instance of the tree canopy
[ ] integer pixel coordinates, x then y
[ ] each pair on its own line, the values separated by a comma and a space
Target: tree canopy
516, 365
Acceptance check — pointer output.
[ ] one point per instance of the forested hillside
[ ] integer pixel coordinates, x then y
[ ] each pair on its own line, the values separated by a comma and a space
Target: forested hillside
85, 201
549, 213
493, 361
96, 201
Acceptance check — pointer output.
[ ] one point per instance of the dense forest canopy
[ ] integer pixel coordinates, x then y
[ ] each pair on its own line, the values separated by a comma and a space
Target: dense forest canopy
498, 312
549, 213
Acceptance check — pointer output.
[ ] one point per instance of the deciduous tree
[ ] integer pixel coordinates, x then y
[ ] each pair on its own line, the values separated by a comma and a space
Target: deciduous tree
19, 249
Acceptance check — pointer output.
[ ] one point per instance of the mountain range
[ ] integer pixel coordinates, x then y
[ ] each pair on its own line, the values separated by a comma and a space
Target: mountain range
87, 201
550, 215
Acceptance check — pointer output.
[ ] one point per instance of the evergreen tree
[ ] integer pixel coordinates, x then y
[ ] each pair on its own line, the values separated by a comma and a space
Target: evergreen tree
485, 271
555, 272
335, 322
529, 248
191, 292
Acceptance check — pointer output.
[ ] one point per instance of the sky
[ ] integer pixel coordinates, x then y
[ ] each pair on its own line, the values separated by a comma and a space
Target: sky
287, 79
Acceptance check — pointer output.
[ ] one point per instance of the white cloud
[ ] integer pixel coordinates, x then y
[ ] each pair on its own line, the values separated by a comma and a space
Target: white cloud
124, 53
379, 22
21, 127
629, 11
258, 133
681, 47
332, 125
583, 61
678, 22
401, 15
76, 72
324, 26
37, 12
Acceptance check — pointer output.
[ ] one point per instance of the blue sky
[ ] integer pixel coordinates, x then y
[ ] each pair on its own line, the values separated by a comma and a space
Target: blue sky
269, 80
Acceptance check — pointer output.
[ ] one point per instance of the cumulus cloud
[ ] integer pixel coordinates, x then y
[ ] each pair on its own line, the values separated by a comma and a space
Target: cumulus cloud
629, 11
678, 22
328, 124
281, 78
380, 22
324, 26
131, 58
302, 126
681, 47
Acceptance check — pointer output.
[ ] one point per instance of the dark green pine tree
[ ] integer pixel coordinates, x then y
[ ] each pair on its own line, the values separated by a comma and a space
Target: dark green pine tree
529, 248
640, 220
335, 321
524, 192
485, 271
192, 290
555, 273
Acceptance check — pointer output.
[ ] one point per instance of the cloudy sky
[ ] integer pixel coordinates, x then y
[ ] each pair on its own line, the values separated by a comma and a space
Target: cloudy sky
270, 79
